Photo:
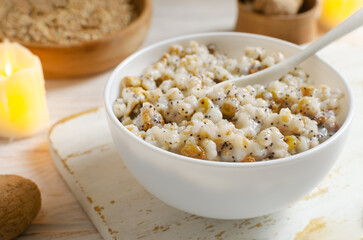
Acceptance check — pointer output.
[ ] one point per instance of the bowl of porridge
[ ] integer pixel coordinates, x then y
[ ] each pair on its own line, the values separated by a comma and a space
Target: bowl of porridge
224, 151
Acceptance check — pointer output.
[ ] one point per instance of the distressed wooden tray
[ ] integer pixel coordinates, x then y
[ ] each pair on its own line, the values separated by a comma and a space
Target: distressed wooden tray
120, 208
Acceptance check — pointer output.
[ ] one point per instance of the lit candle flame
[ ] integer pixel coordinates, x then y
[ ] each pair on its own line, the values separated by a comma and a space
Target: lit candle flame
8, 69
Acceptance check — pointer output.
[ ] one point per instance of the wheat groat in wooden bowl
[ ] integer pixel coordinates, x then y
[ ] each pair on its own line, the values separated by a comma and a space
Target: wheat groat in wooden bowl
76, 38
20, 203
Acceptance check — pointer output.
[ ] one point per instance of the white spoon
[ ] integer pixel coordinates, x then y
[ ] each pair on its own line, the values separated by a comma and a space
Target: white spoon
280, 69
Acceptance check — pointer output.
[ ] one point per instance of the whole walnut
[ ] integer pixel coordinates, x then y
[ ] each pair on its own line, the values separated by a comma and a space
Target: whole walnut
19, 204
277, 7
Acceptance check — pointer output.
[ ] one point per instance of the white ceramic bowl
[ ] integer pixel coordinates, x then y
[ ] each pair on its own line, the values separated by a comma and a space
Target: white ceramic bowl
222, 189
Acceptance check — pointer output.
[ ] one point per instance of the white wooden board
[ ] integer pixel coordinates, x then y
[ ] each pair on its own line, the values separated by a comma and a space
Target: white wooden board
120, 208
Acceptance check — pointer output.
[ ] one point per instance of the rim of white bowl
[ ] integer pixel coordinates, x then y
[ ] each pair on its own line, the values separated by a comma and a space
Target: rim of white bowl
111, 115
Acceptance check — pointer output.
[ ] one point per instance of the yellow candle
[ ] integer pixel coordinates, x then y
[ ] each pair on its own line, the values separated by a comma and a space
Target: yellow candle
23, 108
335, 11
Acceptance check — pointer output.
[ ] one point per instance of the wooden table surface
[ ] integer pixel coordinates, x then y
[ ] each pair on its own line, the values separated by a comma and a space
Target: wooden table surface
61, 217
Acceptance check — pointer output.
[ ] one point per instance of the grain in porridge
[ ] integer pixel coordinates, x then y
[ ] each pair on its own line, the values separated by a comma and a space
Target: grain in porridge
169, 106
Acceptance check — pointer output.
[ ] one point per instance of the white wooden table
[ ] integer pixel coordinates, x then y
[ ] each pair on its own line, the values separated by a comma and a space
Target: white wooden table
61, 217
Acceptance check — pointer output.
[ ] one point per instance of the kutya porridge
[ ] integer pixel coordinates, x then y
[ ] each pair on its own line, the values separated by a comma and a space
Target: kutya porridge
170, 106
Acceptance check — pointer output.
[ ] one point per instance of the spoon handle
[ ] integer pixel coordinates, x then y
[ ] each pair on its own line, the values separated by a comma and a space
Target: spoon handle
351, 23
278, 70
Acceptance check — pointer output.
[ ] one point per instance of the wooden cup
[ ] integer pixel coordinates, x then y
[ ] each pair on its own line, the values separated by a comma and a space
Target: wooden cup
299, 28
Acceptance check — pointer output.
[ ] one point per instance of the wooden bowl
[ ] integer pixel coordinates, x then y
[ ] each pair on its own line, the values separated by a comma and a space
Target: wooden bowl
91, 57
299, 28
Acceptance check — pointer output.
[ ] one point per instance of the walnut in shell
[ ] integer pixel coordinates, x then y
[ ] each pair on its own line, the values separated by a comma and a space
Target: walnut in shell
277, 7
20, 202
